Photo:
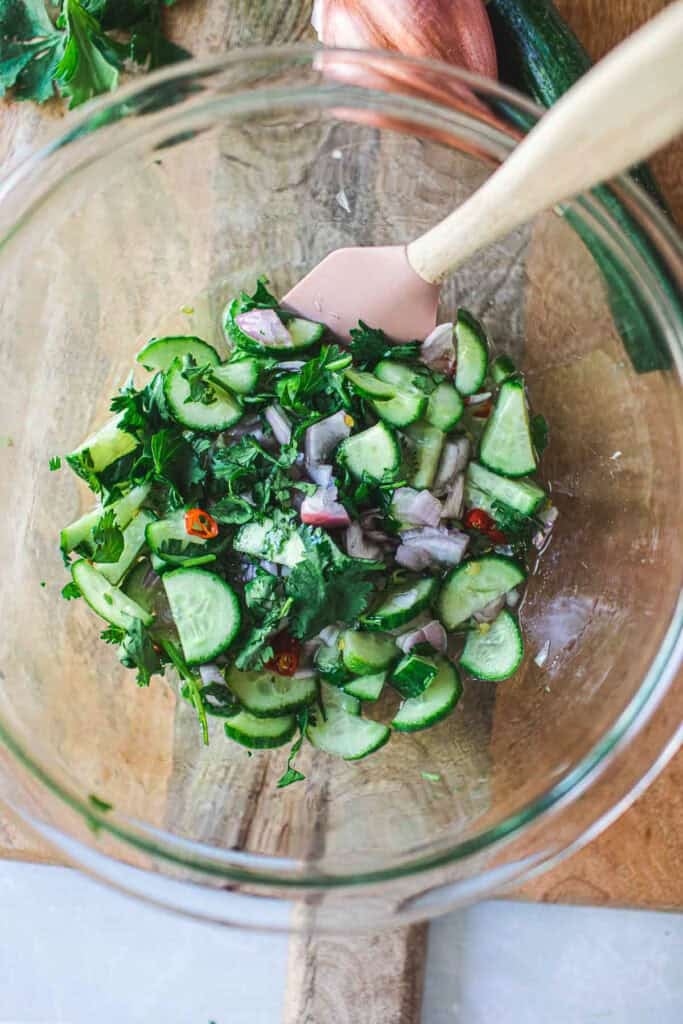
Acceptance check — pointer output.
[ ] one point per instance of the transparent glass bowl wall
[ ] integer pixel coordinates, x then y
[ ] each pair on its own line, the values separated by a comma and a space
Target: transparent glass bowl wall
176, 194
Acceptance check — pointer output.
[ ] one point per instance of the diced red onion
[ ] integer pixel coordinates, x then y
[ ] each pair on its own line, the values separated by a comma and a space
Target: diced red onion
418, 507
270, 567
329, 635
323, 509
548, 516
438, 349
320, 474
436, 635
454, 459
321, 438
292, 365
264, 326
431, 548
479, 399
279, 424
453, 505
211, 673
406, 641
358, 545
490, 611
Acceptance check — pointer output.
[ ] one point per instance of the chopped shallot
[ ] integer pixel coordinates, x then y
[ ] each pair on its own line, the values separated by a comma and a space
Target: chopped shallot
438, 349
264, 326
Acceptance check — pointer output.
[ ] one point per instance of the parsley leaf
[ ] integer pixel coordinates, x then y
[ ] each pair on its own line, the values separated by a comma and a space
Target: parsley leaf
89, 65
231, 511
370, 344
138, 651
261, 299
71, 591
107, 538
55, 463
291, 774
326, 586
30, 49
113, 635
199, 379
317, 386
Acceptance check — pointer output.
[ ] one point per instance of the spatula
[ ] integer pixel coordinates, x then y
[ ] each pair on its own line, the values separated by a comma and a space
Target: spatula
620, 112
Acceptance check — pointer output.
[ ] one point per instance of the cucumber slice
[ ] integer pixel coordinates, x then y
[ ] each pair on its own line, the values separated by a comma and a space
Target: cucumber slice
406, 408
188, 550
133, 543
267, 694
400, 604
471, 586
303, 333
364, 653
506, 445
366, 687
329, 664
445, 407
240, 376
159, 353
494, 651
502, 368
403, 377
425, 443
80, 531
335, 699
434, 704
219, 415
472, 353
256, 539
345, 735
523, 496
260, 733
369, 386
413, 675
108, 602
205, 610
374, 452
102, 448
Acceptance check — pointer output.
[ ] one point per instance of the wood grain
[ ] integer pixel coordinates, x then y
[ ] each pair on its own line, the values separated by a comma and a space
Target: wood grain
637, 861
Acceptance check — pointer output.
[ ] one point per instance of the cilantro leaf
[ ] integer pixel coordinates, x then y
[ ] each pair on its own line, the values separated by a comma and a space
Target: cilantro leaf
88, 65
71, 591
30, 49
261, 299
291, 774
107, 538
113, 635
232, 511
199, 379
370, 344
326, 586
55, 463
317, 386
137, 650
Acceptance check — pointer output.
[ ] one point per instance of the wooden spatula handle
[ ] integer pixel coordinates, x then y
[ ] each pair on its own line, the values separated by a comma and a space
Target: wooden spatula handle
621, 111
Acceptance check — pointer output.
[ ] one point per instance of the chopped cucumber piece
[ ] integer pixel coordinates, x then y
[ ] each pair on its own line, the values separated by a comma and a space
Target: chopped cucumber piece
267, 694
98, 451
335, 699
303, 333
216, 416
109, 603
502, 368
413, 674
374, 452
206, 612
261, 541
494, 651
159, 353
342, 734
471, 352
369, 386
364, 653
366, 687
425, 443
168, 539
406, 408
403, 377
400, 604
434, 704
133, 543
260, 733
240, 376
330, 665
80, 531
471, 586
523, 496
506, 445
445, 407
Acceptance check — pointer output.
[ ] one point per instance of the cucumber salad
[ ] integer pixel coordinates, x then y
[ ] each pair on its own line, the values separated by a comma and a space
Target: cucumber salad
318, 539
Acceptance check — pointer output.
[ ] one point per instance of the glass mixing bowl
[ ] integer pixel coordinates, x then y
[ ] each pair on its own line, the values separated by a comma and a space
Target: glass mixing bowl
152, 208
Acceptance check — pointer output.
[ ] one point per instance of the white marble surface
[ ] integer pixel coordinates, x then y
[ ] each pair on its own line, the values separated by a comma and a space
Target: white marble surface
72, 952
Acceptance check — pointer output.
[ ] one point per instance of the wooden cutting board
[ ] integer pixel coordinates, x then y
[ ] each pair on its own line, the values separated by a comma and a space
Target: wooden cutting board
636, 862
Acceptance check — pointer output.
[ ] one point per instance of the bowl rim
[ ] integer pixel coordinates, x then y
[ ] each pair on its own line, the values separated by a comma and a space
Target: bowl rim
259, 869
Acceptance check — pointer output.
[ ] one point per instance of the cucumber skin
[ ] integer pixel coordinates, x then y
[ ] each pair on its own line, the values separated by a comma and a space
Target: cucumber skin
411, 685
539, 54
438, 716
491, 422
453, 574
259, 742
375, 623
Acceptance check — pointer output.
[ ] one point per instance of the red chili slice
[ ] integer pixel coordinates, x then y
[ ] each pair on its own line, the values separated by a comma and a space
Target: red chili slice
286, 656
199, 523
